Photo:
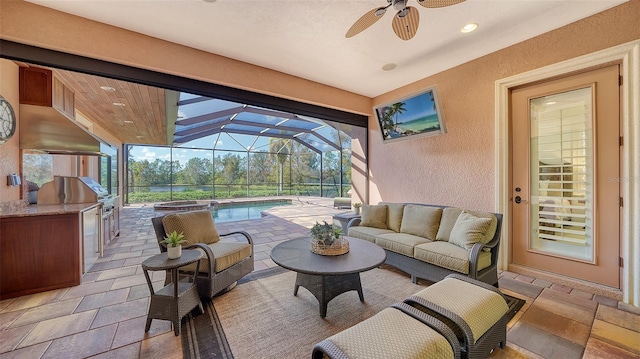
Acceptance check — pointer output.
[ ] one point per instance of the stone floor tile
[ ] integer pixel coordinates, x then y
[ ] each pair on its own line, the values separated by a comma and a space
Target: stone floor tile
562, 297
130, 281
616, 336
5, 303
121, 312
130, 351
106, 265
34, 300
543, 343
524, 278
11, 338
58, 327
90, 277
88, 288
557, 325
581, 294
542, 283
561, 288
136, 261
166, 346
132, 330
605, 300
567, 310
619, 317
597, 349
33, 351
517, 286
257, 266
512, 351
6, 319
117, 273
82, 345
48, 311
96, 301
126, 255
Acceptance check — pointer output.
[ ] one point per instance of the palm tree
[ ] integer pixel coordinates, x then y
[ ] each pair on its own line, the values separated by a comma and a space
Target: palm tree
279, 148
397, 109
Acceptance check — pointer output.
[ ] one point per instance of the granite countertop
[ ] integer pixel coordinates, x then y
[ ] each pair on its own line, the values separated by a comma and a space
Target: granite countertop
46, 209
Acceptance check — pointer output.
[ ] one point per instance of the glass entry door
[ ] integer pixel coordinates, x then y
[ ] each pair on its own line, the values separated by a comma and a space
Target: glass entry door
565, 159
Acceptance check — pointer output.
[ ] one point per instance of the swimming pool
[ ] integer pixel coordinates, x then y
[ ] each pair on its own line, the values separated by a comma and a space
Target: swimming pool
243, 211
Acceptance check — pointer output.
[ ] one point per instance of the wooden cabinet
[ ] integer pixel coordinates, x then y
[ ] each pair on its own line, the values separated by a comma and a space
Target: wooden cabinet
41, 88
39, 253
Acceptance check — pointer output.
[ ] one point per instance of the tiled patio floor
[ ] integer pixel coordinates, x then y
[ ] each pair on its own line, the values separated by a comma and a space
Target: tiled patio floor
104, 316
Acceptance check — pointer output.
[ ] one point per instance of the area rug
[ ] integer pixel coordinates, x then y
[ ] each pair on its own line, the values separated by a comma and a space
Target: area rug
263, 319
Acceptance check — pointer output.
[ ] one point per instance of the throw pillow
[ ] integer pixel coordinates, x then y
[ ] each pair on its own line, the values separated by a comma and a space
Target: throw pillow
469, 230
374, 216
197, 226
394, 215
448, 220
422, 221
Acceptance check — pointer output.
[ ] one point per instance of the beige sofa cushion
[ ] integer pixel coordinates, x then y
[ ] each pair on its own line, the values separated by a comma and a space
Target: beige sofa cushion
367, 233
449, 256
402, 243
394, 215
374, 216
226, 255
469, 230
392, 334
449, 217
422, 221
197, 226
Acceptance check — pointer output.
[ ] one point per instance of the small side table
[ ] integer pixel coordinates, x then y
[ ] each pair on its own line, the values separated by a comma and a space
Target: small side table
344, 219
176, 298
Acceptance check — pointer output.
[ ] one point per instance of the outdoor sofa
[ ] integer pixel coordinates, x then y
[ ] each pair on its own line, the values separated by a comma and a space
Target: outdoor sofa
433, 241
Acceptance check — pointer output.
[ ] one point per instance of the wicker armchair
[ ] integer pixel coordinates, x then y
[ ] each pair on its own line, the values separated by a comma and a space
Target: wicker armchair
223, 262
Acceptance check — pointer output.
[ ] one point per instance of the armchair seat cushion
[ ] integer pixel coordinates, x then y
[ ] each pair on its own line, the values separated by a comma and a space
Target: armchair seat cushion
226, 255
402, 243
450, 256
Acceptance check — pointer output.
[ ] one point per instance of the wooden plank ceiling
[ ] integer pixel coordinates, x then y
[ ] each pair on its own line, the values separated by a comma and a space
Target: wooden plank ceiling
141, 119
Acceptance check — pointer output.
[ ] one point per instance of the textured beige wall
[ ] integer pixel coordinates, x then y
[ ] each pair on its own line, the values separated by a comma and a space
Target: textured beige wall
458, 168
10, 150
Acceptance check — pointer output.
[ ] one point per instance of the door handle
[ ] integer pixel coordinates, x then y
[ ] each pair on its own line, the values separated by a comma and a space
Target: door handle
519, 200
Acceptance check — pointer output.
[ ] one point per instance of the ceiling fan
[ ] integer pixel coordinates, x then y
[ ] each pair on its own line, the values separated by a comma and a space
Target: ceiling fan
405, 21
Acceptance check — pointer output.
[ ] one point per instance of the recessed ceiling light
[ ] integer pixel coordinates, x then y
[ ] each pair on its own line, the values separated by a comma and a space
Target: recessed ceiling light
118, 104
128, 121
389, 67
550, 103
107, 88
139, 136
469, 27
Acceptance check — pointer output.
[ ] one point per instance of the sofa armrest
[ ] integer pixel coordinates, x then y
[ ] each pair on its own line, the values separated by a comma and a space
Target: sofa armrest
246, 235
207, 252
354, 222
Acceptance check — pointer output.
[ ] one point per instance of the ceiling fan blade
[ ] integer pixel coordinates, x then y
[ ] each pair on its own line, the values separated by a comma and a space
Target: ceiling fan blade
407, 26
365, 21
438, 3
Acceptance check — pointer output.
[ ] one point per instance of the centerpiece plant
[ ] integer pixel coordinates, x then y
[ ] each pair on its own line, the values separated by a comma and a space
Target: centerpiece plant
325, 233
173, 243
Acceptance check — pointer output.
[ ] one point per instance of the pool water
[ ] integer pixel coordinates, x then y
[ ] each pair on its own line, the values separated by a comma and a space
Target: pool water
239, 212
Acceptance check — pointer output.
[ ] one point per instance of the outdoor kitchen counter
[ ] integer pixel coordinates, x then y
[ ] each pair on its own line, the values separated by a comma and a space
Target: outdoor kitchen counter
42, 247
46, 209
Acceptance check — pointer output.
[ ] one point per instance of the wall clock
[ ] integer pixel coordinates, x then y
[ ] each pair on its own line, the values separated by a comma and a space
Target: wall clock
7, 120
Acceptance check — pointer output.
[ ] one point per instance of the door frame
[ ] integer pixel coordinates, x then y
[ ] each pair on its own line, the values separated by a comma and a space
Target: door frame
628, 55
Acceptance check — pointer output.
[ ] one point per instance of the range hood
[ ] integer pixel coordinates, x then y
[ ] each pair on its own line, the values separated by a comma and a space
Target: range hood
45, 129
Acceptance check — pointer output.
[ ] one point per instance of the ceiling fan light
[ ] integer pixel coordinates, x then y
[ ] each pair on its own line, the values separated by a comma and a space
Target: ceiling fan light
380, 11
399, 4
402, 13
469, 27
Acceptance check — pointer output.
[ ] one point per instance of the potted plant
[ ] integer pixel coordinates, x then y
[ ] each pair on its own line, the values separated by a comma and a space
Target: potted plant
356, 207
325, 233
173, 243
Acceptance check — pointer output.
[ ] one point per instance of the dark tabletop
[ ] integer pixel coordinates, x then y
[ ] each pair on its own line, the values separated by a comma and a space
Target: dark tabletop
161, 261
296, 255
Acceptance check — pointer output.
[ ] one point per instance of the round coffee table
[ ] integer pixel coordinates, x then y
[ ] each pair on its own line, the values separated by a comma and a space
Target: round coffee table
326, 277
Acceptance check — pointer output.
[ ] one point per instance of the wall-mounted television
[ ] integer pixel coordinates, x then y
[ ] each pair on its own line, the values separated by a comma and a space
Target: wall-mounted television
414, 116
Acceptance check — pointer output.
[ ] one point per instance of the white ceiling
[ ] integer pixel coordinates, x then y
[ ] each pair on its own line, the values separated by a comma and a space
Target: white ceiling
306, 38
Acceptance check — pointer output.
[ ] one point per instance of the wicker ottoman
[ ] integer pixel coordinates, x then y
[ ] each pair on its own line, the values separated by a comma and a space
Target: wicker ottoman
474, 310
397, 332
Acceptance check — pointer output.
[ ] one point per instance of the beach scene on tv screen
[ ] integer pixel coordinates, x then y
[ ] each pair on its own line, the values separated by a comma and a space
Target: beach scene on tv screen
416, 115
